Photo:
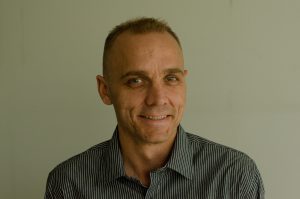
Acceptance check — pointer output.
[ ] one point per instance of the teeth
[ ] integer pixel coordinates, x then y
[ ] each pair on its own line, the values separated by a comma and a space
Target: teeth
155, 117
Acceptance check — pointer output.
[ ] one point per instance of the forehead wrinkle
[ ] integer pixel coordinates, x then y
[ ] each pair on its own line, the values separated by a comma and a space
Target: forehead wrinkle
134, 73
174, 70
147, 74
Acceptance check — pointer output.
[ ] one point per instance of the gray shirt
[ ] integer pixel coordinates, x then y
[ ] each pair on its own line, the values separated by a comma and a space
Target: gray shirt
197, 168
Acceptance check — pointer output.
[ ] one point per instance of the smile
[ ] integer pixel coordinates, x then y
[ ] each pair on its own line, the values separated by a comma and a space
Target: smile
159, 117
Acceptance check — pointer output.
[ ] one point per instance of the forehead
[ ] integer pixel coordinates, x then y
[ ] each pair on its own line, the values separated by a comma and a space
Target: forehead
133, 39
145, 51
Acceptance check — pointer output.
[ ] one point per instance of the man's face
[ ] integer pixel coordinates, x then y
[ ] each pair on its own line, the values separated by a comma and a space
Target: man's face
146, 85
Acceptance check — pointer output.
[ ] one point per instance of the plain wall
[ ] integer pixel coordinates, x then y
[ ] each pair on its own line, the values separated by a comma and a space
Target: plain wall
243, 83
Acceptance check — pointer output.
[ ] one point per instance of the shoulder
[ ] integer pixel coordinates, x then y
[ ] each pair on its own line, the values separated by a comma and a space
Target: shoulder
208, 149
82, 163
227, 165
79, 170
219, 157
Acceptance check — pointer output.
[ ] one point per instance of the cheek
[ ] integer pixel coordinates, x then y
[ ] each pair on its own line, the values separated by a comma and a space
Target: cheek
177, 97
127, 102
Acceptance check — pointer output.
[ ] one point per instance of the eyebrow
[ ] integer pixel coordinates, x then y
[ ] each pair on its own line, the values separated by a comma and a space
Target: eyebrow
144, 73
174, 70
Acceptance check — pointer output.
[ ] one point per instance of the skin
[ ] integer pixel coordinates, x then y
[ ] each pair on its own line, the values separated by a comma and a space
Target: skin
146, 85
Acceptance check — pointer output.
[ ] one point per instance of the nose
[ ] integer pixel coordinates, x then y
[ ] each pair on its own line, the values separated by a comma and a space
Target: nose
156, 95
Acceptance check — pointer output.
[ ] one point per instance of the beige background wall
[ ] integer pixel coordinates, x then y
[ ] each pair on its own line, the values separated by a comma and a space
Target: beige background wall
244, 82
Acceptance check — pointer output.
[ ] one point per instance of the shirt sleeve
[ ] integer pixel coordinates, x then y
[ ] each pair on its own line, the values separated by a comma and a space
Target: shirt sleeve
53, 190
252, 185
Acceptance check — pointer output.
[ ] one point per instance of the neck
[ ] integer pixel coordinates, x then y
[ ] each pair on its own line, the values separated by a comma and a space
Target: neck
142, 158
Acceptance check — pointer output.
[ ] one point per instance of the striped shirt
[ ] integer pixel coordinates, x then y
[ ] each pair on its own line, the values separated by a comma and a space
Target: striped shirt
197, 168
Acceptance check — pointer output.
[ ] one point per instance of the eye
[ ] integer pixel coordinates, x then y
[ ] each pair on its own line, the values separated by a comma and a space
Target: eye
134, 82
171, 78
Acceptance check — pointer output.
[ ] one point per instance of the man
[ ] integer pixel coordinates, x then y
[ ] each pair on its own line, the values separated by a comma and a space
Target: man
150, 155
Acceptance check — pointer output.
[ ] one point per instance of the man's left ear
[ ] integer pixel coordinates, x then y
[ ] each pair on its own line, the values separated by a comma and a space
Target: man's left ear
185, 72
103, 90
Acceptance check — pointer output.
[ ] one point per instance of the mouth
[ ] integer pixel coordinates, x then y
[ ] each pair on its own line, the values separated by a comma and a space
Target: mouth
154, 117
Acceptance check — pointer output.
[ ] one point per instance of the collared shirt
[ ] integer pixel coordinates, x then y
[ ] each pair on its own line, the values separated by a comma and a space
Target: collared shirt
197, 168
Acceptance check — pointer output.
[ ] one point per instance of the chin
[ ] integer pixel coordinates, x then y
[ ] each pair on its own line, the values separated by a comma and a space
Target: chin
156, 135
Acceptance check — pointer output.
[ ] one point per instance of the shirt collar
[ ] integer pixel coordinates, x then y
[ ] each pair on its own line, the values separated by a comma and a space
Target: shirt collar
112, 160
181, 158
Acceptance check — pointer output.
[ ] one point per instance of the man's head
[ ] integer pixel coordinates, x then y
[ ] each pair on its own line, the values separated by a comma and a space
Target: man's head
144, 79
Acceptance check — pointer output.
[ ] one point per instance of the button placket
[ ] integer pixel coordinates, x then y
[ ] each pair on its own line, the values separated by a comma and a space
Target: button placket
156, 177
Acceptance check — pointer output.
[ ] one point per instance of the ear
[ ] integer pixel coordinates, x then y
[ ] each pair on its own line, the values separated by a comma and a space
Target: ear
185, 72
103, 90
